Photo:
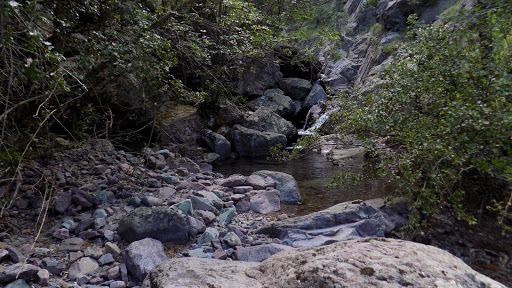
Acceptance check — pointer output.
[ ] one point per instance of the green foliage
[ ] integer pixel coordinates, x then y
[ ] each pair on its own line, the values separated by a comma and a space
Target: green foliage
446, 104
303, 145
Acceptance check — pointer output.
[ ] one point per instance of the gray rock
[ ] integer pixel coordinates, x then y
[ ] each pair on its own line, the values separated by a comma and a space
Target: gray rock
195, 186
194, 226
93, 252
171, 180
208, 235
275, 101
231, 181
104, 196
18, 284
185, 206
260, 252
151, 201
370, 262
199, 253
3, 255
114, 273
286, 184
100, 213
161, 223
106, 259
261, 182
243, 206
341, 222
200, 203
84, 225
98, 223
265, 201
393, 13
84, 196
71, 244
232, 239
217, 143
142, 256
206, 216
316, 95
228, 114
253, 143
134, 201
117, 284
262, 75
53, 265
265, 120
296, 88
62, 202
82, 267
226, 215
112, 248
21, 270
43, 276
15, 254
154, 183
166, 193
213, 199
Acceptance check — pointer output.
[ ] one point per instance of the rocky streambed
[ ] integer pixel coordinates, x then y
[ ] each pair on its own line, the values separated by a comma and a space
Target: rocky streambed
114, 219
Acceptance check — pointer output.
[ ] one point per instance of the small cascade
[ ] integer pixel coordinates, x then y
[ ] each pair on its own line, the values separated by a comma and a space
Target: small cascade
306, 121
318, 123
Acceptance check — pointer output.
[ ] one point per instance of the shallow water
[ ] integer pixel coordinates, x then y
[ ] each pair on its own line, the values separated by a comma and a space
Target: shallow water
312, 173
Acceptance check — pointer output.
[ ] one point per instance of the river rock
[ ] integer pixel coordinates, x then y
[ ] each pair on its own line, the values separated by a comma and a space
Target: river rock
296, 88
265, 201
226, 215
217, 143
213, 199
286, 185
71, 244
18, 284
253, 143
316, 95
142, 256
261, 75
374, 262
261, 182
82, 267
231, 181
201, 203
62, 202
260, 252
21, 270
228, 114
344, 221
161, 223
275, 101
267, 121
208, 235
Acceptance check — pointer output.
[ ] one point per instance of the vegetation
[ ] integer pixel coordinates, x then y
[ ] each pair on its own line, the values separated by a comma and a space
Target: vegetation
445, 107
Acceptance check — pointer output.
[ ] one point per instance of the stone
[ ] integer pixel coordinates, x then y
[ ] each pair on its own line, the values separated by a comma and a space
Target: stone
275, 101
18, 284
53, 265
117, 284
265, 201
227, 114
185, 206
134, 201
260, 252
194, 186
98, 223
154, 183
93, 252
73, 256
232, 239
345, 221
82, 267
166, 193
263, 74
226, 215
15, 254
106, 259
213, 199
243, 206
220, 254
195, 226
84, 196
38, 252
113, 273
151, 201
265, 120
142, 256
113, 249
62, 202
83, 225
160, 223
171, 180
286, 185
261, 182
242, 190
231, 181
208, 235
86, 235
71, 244
23, 271
179, 123
296, 88
43, 277
206, 216
217, 144
199, 253
200, 203
104, 196
316, 95
253, 143
3, 255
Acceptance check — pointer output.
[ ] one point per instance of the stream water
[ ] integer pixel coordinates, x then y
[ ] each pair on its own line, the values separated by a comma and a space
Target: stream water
312, 173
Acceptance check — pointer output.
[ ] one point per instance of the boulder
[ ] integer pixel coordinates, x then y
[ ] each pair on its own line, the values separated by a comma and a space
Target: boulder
296, 88
231, 181
228, 114
345, 221
261, 75
275, 101
82, 267
260, 252
179, 123
265, 201
267, 121
286, 185
161, 223
142, 256
18, 271
260, 182
373, 262
253, 143
316, 95
393, 13
217, 143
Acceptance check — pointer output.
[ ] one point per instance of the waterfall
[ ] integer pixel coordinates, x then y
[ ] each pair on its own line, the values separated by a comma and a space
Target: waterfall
318, 123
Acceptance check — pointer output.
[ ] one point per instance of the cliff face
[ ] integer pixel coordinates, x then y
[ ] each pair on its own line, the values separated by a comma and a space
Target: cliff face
372, 28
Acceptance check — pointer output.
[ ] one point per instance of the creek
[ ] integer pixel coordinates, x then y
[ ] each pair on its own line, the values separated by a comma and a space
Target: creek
313, 172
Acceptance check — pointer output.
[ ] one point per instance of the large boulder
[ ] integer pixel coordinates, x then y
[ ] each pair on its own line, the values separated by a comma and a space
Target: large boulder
216, 143
316, 95
179, 123
275, 101
267, 121
345, 221
142, 256
253, 143
261, 75
285, 183
228, 114
161, 223
296, 88
374, 262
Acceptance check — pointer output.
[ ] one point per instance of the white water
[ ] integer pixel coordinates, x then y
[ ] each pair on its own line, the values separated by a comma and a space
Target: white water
318, 123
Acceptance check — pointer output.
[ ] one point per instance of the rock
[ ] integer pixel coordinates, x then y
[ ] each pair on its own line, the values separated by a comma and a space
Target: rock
100, 213
242, 190
179, 123
185, 206
208, 235
265, 120
104, 196
62, 202
18, 284
393, 13
199, 253
194, 186
117, 284
286, 185
253, 143
275, 101
106, 259
19, 270
228, 114
220, 254
232, 239
213, 199
112, 248
231, 181
3, 255
261, 182
82, 267
226, 215
54, 266
80, 195
100, 145
217, 143
166, 193
200, 203
43, 277
84, 225
194, 226
93, 252
113, 273
153, 183
261, 75
316, 95
99, 223
243, 206
171, 180
15, 254
260, 252
296, 88
265, 201
71, 244
160, 223
176, 273
341, 222
347, 157
151, 201
142, 256
206, 216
